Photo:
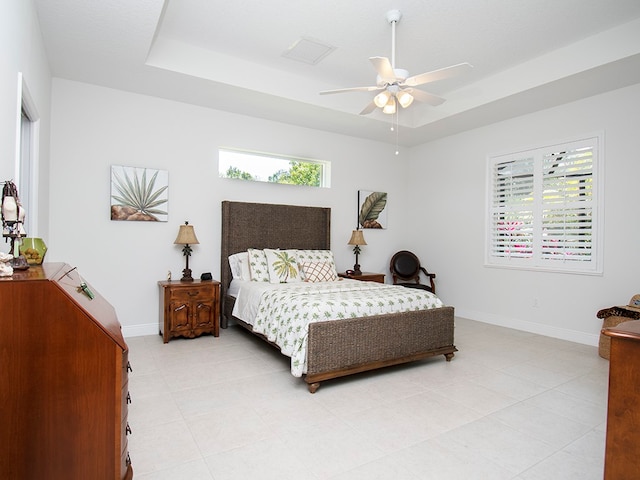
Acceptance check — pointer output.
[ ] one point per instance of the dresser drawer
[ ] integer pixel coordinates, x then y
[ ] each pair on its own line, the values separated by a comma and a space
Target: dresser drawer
125, 462
200, 293
126, 431
125, 400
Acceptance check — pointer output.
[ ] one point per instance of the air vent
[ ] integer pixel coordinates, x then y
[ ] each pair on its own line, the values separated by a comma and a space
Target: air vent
308, 51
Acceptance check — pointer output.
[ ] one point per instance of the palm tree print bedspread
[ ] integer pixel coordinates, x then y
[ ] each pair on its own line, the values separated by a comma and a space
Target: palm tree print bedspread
283, 314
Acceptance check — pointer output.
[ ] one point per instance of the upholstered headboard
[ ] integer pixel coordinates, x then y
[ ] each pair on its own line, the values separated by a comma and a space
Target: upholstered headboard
264, 225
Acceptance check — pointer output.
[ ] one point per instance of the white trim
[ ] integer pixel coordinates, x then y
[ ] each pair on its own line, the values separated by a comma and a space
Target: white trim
25, 101
531, 327
140, 330
523, 325
16, 158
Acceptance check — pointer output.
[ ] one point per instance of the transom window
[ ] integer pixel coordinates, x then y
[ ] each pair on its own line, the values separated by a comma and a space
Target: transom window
544, 209
266, 167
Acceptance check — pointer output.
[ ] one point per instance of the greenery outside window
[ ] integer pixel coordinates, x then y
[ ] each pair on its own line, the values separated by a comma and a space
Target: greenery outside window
545, 208
265, 167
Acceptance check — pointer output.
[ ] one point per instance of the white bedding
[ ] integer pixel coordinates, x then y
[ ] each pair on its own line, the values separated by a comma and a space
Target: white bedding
235, 287
282, 312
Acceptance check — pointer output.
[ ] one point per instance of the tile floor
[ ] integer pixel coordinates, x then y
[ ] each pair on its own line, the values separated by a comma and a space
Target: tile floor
510, 405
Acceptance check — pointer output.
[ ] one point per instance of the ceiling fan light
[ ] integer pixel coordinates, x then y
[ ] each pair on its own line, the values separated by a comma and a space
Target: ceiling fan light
405, 99
381, 99
390, 107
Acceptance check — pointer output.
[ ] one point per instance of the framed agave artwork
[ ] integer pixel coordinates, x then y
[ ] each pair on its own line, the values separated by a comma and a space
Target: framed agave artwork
139, 194
372, 209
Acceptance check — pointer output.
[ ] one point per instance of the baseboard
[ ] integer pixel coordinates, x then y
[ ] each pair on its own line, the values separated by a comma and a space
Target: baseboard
140, 330
532, 327
547, 330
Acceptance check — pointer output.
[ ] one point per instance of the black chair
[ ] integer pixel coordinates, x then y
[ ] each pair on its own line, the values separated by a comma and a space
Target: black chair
405, 270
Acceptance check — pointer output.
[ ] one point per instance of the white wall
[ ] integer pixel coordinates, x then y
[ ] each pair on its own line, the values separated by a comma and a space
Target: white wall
436, 202
436, 192
448, 183
22, 55
94, 128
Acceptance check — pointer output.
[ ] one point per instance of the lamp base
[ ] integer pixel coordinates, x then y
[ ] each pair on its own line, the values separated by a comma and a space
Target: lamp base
356, 269
186, 275
19, 263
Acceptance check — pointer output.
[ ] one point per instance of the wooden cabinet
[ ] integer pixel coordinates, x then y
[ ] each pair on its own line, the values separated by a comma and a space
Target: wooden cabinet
189, 309
622, 452
63, 380
365, 277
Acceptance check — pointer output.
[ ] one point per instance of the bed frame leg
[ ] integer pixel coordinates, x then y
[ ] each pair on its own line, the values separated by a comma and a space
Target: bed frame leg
313, 386
449, 356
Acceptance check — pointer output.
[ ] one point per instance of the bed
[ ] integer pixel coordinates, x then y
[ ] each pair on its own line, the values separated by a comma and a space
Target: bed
335, 348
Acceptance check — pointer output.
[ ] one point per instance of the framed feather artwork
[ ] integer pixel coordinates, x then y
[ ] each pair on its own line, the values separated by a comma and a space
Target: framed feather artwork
372, 209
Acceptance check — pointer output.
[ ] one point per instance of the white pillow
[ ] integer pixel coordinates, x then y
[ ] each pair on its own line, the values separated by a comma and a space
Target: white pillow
314, 256
282, 265
258, 268
319, 271
239, 263
244, 268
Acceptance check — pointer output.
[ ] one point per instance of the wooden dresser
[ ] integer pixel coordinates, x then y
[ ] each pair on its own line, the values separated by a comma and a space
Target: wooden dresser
63, 380
622, 452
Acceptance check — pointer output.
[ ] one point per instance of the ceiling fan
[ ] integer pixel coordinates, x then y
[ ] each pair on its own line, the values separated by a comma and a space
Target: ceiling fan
395, 85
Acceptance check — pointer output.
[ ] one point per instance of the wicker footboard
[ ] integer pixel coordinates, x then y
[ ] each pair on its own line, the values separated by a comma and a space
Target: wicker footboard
345, 347
356, 345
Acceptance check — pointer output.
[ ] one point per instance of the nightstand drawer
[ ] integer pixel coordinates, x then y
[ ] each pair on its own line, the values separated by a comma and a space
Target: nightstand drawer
201, 292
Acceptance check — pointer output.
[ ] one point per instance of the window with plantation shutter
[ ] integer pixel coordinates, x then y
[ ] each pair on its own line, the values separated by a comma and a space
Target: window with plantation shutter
544, 208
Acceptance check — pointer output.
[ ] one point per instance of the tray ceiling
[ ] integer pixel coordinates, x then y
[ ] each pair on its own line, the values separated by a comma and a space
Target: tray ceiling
271, 59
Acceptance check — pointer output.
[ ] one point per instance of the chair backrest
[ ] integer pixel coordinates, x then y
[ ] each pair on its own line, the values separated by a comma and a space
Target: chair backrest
405, 266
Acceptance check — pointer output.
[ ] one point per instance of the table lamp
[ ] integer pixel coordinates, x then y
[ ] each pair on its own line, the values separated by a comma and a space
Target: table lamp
186, 237
357, 239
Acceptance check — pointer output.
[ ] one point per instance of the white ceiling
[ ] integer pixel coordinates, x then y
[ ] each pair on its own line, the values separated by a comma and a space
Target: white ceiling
527, 55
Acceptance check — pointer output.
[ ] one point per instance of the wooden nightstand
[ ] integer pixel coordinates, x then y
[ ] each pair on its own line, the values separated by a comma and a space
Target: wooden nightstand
365, 277
189, 309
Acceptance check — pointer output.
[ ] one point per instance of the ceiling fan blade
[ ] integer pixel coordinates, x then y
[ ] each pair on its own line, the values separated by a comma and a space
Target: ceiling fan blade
368, 109
352, 89
425, 97
384, 69
435, 75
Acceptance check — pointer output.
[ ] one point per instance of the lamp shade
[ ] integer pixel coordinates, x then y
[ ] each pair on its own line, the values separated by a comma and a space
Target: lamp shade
382, 98
357, 238
405, 99
390, 107
186, 235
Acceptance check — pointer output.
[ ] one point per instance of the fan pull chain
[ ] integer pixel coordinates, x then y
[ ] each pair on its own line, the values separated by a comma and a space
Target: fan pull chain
397, 130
